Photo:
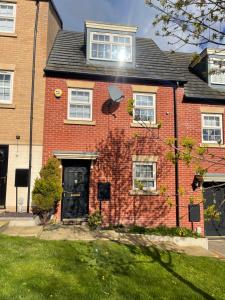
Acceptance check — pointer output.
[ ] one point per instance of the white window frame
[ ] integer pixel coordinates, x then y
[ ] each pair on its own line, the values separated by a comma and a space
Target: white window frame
144, 107
13, 17
208, 127
111, 43
70, 90
135, 163
2, 101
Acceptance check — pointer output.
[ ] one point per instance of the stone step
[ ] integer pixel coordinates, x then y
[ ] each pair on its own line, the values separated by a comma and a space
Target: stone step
76, 221
21, 222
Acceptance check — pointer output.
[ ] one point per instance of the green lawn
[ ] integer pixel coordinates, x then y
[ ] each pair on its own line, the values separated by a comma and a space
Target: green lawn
35, 269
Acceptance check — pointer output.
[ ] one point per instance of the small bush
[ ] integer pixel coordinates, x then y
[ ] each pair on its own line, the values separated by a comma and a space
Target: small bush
95, 220
47, 190
164, 231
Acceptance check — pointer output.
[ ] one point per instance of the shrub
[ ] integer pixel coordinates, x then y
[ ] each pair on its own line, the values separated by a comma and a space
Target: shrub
47, 189
164, 231
95, 220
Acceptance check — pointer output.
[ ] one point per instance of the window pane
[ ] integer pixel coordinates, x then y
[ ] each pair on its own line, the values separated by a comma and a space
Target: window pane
101, 37
144, 115
6, 25
101, 51
121, 52
121, 39
144, 171
147, 184
80, 97
211, 135
5, 87
80, 111
144, 100
212, 121
6, 10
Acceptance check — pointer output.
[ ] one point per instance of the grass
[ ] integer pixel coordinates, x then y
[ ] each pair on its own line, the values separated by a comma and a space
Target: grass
36, 269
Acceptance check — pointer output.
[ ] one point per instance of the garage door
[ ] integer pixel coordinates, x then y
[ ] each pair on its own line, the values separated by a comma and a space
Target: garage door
215, 195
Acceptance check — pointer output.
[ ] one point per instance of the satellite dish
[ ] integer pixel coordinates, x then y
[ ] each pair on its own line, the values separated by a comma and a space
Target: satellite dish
115, 93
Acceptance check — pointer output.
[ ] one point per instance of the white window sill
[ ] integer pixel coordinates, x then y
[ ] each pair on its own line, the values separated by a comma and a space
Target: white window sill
80, 122
8, 34
7, 106
212, 145
143, 193
140, 125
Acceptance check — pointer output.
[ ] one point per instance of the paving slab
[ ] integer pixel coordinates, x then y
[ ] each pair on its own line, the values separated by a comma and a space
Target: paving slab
33, 231
217, 246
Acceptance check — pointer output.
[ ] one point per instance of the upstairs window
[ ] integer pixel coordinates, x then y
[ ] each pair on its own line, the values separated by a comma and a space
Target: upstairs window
80, 104
7, 17
144, 108
112, 47
212, 128
6, 83
144, 175
218, 71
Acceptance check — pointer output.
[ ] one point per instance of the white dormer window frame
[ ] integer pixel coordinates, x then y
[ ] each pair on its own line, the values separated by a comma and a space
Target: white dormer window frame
7, 17
106, 46
216, 66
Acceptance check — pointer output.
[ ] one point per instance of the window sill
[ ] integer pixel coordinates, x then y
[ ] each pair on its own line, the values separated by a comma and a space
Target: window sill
138, 125
8, 34
7, 106
76, 122
212, 145
143, 193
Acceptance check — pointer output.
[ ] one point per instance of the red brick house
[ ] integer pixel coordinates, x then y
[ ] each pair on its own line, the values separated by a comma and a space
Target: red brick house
201, 116
101, 145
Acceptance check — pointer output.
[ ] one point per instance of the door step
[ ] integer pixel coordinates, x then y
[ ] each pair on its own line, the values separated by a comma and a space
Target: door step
77, 221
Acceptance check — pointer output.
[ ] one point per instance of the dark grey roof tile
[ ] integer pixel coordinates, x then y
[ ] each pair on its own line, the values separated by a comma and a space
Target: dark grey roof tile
195, 86
68, 55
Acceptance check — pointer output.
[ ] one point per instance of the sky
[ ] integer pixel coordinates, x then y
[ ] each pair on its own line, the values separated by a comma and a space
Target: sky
132, 12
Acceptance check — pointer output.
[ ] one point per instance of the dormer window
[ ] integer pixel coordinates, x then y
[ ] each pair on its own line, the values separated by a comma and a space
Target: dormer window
112, 47
217, 71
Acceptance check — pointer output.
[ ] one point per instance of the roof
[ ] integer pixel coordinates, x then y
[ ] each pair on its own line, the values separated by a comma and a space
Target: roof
195, 87
68, 56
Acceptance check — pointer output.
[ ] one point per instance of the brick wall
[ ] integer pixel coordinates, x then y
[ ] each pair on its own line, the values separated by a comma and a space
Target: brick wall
189, 124
113, 138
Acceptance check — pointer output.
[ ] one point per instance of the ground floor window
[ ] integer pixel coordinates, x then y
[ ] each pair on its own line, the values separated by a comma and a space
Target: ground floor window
144, 176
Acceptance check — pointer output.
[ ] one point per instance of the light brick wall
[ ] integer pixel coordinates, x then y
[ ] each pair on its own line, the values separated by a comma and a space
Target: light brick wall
17, 52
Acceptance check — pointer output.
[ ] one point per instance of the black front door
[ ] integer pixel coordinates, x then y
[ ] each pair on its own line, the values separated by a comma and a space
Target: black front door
3, 174
76, 190
214, 197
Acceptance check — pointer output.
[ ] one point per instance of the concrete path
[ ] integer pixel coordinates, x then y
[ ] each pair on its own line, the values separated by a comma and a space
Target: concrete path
217, 247
33, 231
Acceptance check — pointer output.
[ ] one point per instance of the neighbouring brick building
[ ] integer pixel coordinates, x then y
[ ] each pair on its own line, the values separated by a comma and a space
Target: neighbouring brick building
201, 116
17, 23
98, 142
